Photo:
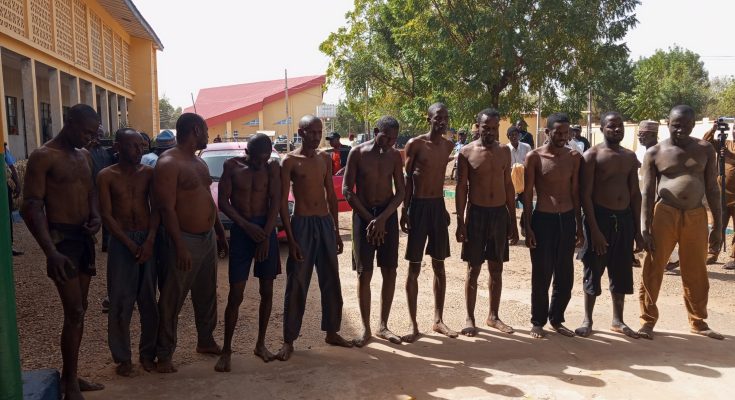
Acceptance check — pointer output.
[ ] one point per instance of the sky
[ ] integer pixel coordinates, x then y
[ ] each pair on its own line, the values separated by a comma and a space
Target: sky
225, 42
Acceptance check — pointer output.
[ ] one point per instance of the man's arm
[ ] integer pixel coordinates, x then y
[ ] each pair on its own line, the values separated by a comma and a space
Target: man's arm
348, 185
14, 177
635, 201
712, 191
94, 220
532, 159
105, 199
510, 198
332, 201
399, 183
575, 196
650, 178
461, 194
274, 196
34, 193
410, 150
285, 188
587, 187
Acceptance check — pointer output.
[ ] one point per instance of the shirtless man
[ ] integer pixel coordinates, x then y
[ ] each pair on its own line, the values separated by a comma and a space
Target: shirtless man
373, 169
313, 237
687, 171
250, 194
60, 210
611, 200
125, 205
181, 186
554, 228
425, 216
483, 171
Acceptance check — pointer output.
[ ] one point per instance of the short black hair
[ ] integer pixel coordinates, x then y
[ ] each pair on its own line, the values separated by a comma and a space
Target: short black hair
185, 125
490, 112
80, 113
556, 118
609, 114
387, 122
683, 109
122, 132
512, 129
260, 143
436, 107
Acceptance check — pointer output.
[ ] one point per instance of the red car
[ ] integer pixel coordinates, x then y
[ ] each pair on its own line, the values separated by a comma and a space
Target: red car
215, 156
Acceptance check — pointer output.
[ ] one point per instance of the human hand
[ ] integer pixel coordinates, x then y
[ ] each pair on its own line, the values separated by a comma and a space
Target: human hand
405, 224
56, 265
579, 237
183, 258
254, 231
92, 226
376, 232
530, 238
639, 243
461, 232
294, 251
340, 245
261, 250
648, 242
599, 243
512, 233
223, 248
144, 252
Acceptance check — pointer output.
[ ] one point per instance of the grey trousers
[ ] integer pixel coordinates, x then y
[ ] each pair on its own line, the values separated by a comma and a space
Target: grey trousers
129, 283
315, 236
201, 279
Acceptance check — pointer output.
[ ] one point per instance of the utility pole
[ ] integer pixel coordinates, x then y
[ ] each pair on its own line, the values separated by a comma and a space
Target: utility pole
538, 120
589, 114
289, 133
367, 123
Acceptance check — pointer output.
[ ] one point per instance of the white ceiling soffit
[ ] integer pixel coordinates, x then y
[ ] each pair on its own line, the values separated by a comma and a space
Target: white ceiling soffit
125, 12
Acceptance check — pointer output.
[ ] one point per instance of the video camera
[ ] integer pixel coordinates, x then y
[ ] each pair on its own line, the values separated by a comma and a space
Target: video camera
722, 123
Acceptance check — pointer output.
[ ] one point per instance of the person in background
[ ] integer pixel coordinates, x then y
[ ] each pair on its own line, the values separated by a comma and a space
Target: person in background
518, 151
217, 139
101, 159
339, 152
525, 136
475, 132
164, 141
461, 142
13, 191
727, 153
580, 142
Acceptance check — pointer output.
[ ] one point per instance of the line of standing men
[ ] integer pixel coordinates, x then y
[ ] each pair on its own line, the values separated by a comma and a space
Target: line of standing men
169, 211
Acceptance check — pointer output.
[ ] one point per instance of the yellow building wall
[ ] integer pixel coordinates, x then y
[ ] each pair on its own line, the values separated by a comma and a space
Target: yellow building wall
143, 108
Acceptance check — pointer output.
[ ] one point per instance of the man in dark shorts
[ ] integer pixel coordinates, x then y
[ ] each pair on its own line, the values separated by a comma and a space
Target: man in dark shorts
60, 210
193, 234
425, 216
125, 205
250, 194
373, 169
554, 228
313, 237
483, 170
611, 199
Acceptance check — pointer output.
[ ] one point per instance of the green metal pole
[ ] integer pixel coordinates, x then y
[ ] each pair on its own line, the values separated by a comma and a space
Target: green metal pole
11, 387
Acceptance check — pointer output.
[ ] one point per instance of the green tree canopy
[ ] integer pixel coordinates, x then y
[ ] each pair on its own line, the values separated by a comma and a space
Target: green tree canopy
666, 79
167, 114
722, 97
407, 54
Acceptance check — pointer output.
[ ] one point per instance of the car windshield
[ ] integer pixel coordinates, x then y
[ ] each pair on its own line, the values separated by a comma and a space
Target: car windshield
215, 161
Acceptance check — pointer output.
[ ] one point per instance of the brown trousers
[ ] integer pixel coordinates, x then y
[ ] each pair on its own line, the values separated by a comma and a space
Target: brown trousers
729, 212
689, 229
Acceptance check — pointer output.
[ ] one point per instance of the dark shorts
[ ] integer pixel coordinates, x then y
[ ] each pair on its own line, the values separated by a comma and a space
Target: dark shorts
363, 252
77, 245
487, 235
242, 254
619, 230
429, 220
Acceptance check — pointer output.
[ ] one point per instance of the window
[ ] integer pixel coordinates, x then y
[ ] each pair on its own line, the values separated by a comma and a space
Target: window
11, 107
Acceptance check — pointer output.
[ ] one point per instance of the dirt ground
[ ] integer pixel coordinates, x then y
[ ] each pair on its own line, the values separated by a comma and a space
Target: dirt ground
606, 365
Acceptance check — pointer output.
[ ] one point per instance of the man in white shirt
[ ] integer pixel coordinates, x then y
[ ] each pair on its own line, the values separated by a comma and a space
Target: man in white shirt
518, 151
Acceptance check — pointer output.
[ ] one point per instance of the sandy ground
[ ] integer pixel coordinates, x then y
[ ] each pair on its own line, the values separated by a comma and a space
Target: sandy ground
606, 365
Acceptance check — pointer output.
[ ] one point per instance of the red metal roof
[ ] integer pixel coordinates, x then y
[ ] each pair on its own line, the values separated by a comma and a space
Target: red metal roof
225, 103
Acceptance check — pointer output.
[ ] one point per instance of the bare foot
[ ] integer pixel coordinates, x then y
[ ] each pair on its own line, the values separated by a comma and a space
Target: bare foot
87, 386
729, 265
439, 327
262, 352
124, 368
563, 330
386, 334
711, 259
585, 330
362, 340
411, 337
470, 330
496, 323
538, 332
214, 350
165, 367
223, 364
336, 340
645, 333
285, 353
620, 327
148, 365
709, 333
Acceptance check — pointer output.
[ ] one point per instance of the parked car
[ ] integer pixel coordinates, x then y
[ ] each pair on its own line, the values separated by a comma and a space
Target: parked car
281, 144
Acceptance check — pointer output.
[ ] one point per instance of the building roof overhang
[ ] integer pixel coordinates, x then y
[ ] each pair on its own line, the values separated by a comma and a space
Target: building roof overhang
125, 12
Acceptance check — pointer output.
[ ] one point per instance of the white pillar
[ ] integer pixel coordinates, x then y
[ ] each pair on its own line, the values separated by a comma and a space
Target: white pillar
30, 104
54, 87
124, 111
89, 98
105, 111
74, 92
114, 113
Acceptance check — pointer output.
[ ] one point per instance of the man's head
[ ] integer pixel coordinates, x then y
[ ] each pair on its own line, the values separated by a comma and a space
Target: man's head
489, 121
310, 130
475, 132
514, 135
81, 125
611, 125
164, 141
259, 150
191, 129
386, 132
648, 133
129, 146
521, 124
681, 123
146, 142
333, 139
438, 118
576, 131
462, 136
557, 129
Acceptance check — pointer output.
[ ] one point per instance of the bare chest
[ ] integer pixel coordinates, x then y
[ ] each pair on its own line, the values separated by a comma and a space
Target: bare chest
248, 180
432, 156
194, 175
70, 171
309, 170
374, 167
611, 165
556, 169
485, 161
674, 161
